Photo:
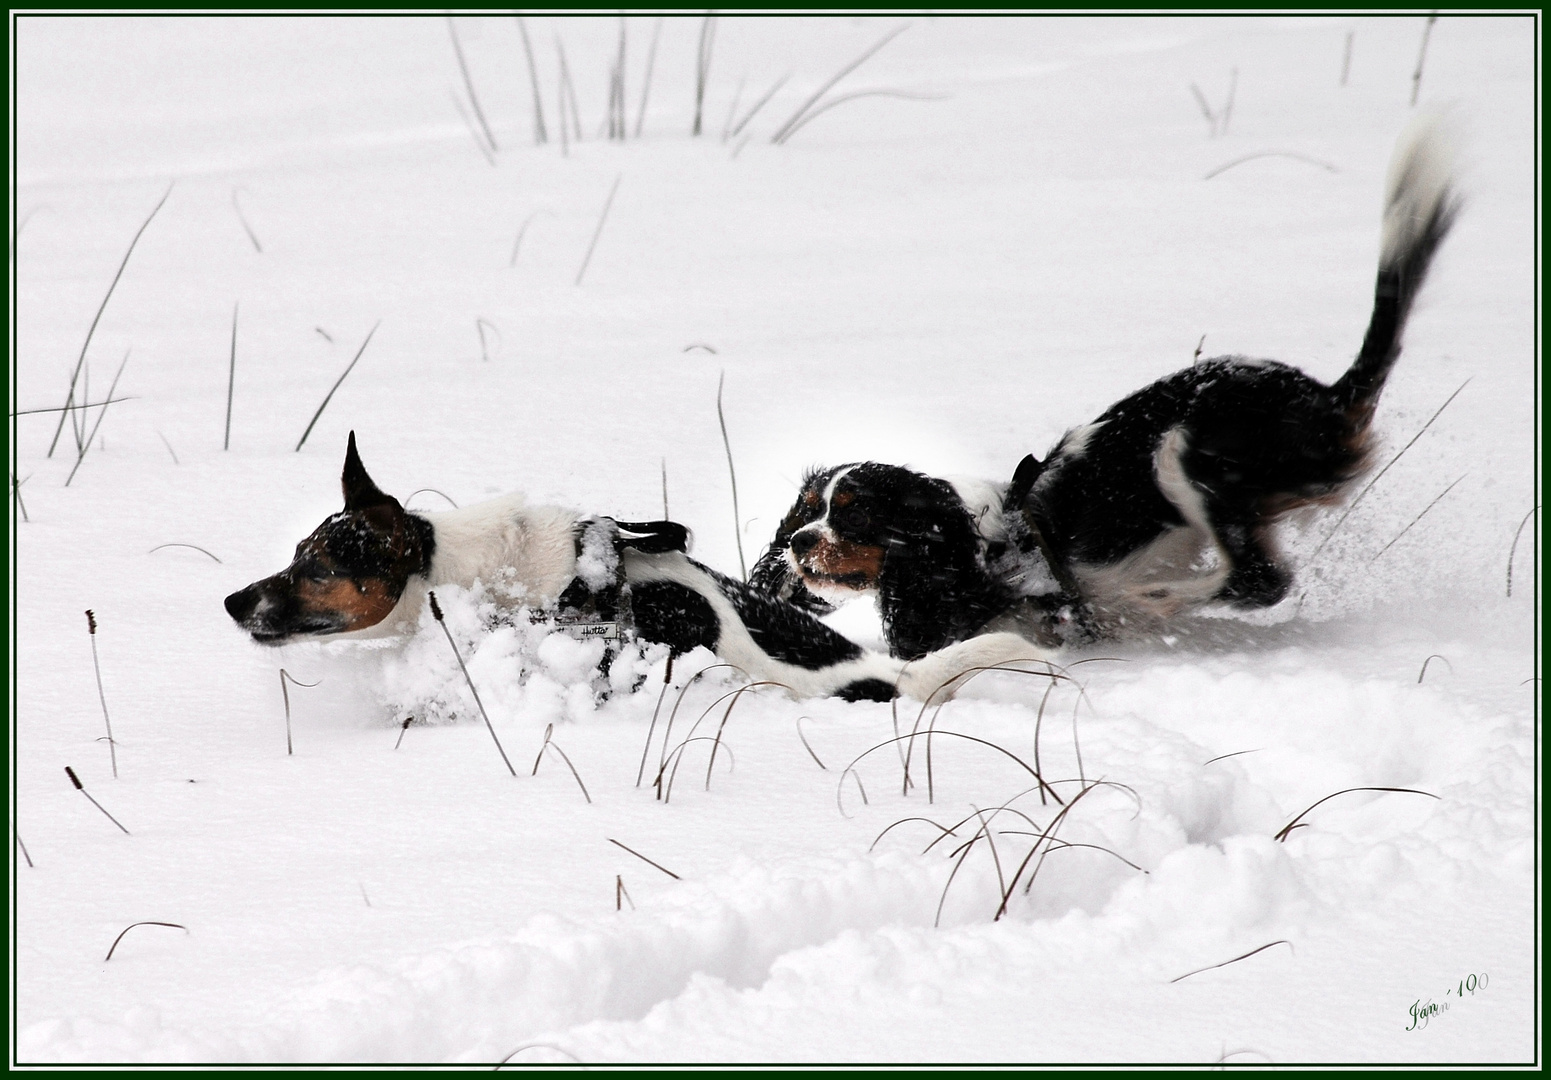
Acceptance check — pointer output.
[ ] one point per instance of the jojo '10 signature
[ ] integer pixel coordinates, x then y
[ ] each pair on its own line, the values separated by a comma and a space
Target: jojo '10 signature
1423, 1012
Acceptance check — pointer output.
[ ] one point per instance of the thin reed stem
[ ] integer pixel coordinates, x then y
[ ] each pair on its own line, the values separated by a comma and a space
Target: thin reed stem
76, 780
760, 104
540, 131
85, 446
1414, 520
468, 83
436, 611
732, 475
131, 926
646, 82
604, 216
1369, 486
1421, 58
1515, 546
330, 395
231, 382
644, 859
1235, 960
252, 236
796, 117
286, 696
703, 67
81, 360
91, 629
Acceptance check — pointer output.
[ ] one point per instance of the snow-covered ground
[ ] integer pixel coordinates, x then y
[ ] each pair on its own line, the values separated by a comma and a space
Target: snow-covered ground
947, 279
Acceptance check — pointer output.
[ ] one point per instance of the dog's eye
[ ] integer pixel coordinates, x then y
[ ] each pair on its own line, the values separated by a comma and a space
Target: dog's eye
850, 517
314, 572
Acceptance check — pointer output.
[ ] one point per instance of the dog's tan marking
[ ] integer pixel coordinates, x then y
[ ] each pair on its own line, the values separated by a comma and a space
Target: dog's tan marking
847, 561
361, 602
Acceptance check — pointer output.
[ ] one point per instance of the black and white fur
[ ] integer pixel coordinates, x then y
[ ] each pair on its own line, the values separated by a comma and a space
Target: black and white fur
365, 573
1166, 502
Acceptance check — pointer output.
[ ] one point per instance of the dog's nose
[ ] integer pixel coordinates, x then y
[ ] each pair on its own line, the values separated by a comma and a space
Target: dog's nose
239, 605
804, 542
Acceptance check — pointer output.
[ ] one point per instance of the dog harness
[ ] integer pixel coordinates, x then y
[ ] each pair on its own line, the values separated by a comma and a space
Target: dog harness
596, 603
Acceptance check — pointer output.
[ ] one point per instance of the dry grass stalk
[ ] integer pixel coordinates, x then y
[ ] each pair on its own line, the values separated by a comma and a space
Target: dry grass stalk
231, 380
646, 82
480, 326
433, 491
91, 630
286, 676
843, 98
81, 360
732, 475
1421, 58
1369, 486
703, 67
468, 83
808, 748
1287, 829
1266, 154
252, 236
1224, 757
1235, 960
760, 104
733, 108
76, 408
644, 859
76, 780
521, 232
330, 395
16, 493
402, 729
1515, 546
667, 679
131, 926
1435, 656
1414, 520
550, 744
617, 129
568, 94
436, 612
195, 547
539, 1046
796, 118
597, 232
540, 131
86, 445
468, 122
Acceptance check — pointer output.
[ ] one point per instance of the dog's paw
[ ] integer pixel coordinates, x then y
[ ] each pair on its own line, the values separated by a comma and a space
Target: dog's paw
1255, 585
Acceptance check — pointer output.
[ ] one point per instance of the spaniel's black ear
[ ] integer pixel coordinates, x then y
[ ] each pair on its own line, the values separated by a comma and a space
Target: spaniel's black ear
360, 492
1023, 479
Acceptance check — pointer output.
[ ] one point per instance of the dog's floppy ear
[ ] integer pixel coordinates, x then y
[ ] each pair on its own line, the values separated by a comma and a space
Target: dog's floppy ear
360, 492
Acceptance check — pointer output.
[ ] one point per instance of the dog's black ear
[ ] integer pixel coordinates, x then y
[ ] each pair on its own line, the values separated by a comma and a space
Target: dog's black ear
360, 492
1023, 478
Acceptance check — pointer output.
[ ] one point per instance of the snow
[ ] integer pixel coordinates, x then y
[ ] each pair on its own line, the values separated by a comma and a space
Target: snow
948, 282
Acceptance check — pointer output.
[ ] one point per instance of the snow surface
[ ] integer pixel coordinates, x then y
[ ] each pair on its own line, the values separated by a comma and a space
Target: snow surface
949, 281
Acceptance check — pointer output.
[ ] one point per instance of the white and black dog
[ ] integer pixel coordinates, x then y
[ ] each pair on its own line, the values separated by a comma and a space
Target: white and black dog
366, 570
1167, 501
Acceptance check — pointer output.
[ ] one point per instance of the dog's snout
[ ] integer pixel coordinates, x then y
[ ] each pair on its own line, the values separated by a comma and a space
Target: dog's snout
803, 542
240, 604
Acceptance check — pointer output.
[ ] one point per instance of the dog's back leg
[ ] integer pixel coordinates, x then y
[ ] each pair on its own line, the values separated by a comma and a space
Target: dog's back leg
1205, 491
